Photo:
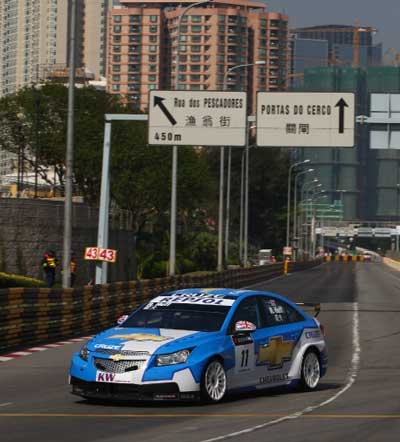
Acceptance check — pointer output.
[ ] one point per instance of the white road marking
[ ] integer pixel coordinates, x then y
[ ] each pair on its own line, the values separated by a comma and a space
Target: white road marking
37, 349
20, 353
51, 345
352, 375
5, 358
5, 404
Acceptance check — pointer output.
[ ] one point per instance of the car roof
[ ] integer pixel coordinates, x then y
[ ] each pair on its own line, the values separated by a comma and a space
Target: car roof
226, 292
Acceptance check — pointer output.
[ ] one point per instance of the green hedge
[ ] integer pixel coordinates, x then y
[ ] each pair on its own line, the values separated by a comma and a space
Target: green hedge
8, 280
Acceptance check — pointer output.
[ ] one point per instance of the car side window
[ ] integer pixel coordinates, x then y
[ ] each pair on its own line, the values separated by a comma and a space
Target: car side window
247, 310
277, 312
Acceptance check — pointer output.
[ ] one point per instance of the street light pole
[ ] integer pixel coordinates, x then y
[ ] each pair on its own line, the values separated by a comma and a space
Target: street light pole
288, 198
295, 204
174, 172
302, 217
228, 184
66, 276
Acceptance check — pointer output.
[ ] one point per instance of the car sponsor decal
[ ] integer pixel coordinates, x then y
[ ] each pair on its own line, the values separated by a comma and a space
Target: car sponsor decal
242, 339
312, 334
188, 298
274, 378
140, 337
275, 352
105, 377
108, 346
245, 325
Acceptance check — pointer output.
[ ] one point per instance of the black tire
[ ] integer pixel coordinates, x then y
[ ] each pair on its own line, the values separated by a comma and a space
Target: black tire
213, 382
310, 371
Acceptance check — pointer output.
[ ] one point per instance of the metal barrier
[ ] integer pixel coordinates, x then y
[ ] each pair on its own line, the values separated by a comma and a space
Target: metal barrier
34, 316
344, 258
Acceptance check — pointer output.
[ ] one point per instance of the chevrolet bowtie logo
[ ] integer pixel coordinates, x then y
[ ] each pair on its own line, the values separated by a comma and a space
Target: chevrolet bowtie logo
276, 352
117, 357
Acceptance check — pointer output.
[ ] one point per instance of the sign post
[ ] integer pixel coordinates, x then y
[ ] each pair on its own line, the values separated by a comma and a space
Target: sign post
299, 119
197, 118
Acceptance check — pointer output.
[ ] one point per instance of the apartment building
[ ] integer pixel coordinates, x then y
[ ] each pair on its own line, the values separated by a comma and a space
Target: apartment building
214, 37
34, 38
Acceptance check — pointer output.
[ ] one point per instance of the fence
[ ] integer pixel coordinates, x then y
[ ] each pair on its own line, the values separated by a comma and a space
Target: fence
33, 316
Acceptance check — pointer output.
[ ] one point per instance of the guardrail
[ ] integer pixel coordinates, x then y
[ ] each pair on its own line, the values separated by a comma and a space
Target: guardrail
344, 258
33, 316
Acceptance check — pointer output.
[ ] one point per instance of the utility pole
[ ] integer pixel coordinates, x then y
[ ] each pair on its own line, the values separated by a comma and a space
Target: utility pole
66, 276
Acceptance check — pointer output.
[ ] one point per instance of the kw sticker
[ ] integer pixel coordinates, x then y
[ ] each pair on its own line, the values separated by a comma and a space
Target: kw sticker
140, 337
275, 352
105, 377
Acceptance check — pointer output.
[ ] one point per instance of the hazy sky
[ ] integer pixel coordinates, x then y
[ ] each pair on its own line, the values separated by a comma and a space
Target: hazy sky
381, 14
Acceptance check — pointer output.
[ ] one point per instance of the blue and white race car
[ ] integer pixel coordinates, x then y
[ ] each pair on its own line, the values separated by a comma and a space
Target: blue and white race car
201, 344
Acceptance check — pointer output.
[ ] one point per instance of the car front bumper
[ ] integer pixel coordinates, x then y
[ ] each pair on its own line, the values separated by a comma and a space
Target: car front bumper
168, 391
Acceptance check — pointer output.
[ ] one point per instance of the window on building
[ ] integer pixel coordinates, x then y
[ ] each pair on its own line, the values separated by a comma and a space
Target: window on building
195, 67
195, 58
153, 38
152, 67
132, 77
195, 87
182, 48
196, 18
152, 58
116, 77
152, 48
196, 38
153, 28
117, 28
182, 58
116, 48
153, 18
196, 28
116, 67
263, 22
221, 19
134, 29
133, 68
195, 48
182, 68
116, 58
117, 18
115, 87
133, 48
221, 58
221, 28
134, 39
152, 86
134, 18
262, 52
182, 77
116, 38
152, 77
183, 38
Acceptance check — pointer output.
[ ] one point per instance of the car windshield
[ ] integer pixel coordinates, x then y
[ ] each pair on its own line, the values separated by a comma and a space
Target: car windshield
205, 318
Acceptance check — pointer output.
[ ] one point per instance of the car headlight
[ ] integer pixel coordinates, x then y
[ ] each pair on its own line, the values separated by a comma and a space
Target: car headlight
84, 353
179, 357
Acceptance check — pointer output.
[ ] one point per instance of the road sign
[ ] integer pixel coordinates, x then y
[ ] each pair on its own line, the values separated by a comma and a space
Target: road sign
193, 118
292, 119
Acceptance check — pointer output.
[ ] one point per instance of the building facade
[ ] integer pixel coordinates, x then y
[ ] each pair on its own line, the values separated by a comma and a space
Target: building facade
333, 45
215, 37
34, 37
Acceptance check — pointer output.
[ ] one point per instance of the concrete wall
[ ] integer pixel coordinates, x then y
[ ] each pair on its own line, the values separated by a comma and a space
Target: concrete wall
30, 227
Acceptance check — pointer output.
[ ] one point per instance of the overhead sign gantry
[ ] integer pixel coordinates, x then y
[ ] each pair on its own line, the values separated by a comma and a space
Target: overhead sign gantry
305, 119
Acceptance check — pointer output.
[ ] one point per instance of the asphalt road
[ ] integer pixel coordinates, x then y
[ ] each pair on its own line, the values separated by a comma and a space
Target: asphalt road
358, 400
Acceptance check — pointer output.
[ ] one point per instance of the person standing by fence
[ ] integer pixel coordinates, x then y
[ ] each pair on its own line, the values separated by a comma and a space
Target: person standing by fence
49, 265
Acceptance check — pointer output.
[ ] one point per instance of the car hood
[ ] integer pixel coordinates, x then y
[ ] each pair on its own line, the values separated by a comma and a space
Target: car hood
150, 340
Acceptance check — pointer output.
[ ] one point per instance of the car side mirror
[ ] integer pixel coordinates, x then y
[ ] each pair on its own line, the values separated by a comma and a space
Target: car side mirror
122, 319
244, 327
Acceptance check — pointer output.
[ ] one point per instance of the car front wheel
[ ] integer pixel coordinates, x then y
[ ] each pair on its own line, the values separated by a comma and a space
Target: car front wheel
213, 387
310, 371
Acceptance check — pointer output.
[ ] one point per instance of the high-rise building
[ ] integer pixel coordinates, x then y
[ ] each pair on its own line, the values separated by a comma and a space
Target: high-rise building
333, 45
34, 38
214, 37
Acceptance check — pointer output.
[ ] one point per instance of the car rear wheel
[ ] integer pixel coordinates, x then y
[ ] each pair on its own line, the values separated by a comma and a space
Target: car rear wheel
213, 386
310, 371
